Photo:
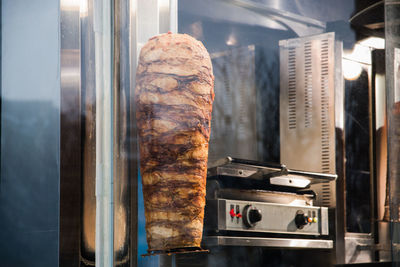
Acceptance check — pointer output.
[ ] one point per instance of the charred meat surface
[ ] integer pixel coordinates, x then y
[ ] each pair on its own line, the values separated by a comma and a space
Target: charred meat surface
174, 95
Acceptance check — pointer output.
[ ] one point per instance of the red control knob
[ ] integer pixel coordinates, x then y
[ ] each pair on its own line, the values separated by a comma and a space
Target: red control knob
232, 213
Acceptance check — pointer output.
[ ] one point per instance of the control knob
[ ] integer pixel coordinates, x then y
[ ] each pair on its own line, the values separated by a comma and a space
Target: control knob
301, 219
251, 215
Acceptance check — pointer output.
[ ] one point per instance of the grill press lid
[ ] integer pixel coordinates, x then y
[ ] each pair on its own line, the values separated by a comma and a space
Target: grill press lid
273, 174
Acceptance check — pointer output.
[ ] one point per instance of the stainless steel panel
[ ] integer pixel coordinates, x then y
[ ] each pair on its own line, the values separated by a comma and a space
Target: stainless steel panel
380, 134
338, 190
124, 164
359, 248
384, 241
88, 102
307, 103
221, 205
71, 153
326, 193
309, 68
393, 119
277, 218
227, 171
234, 107
291, 181
324, 218
210, 241
263, 196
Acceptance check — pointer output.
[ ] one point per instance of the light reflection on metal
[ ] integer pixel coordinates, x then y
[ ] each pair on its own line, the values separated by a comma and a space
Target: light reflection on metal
70, 4
104, 133
299, 24
84, 8
258, 7
351, 69
88, 219
232, 41
164, 21
359, 53
123, 230
197, 30
373, 42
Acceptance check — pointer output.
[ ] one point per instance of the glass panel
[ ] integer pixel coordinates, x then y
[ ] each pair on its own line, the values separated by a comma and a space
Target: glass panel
247, 40
357, 131
30, 133
299, 86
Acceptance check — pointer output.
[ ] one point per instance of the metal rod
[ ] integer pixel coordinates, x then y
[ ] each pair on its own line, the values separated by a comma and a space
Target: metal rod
104, 133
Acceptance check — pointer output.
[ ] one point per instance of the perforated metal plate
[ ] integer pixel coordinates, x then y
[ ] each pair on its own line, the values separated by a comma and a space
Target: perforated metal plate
307, 112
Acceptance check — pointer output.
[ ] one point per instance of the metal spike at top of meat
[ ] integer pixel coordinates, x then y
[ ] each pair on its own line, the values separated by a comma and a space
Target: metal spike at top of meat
174, 96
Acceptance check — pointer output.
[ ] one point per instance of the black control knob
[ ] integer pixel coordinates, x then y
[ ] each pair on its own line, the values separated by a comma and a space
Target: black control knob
300, 220
255, 215
251, 216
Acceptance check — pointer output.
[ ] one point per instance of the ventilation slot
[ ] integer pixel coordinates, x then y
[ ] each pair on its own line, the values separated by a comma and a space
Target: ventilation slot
326, 194
307, 84
292, 88
325, 107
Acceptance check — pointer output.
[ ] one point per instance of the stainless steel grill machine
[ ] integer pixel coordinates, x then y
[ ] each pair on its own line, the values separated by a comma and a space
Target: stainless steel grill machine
251, 203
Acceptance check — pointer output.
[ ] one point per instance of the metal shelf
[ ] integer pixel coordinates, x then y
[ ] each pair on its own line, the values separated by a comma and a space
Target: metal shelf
210, 241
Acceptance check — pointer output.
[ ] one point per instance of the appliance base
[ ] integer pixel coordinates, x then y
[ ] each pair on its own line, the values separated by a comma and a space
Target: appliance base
210, 241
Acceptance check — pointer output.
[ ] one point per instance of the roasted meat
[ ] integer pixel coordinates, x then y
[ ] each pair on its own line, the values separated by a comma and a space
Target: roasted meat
174, 95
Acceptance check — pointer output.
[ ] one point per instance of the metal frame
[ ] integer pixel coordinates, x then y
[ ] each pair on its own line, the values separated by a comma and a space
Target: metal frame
88, 123
380, 145
340, 162
70, 139
88, 103
103, 49
359, 247
124, 139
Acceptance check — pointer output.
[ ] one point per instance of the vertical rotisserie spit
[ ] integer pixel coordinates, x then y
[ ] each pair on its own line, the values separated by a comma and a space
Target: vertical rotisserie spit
174, 95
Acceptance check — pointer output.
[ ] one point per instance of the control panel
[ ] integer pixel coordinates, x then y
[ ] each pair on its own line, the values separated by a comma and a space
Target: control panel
252, 216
